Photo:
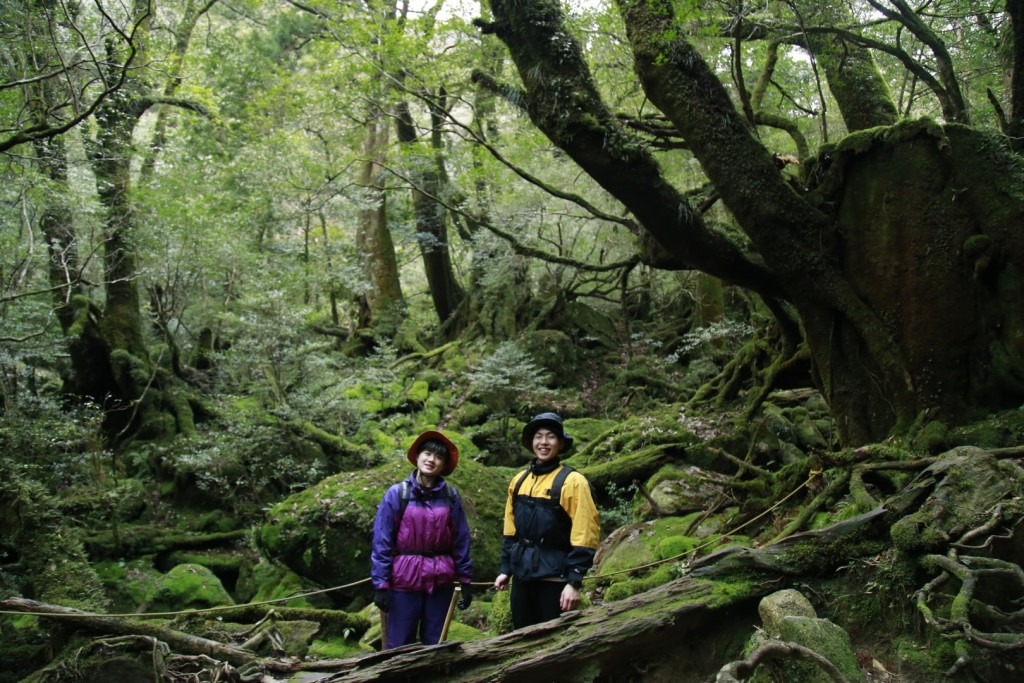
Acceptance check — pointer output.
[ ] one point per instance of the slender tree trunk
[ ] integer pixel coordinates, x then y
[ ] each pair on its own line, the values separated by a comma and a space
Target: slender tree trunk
1015, 127
332, 285
431, 183
493, 304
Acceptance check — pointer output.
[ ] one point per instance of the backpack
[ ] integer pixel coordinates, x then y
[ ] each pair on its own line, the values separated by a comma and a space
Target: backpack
405, 495
556, 486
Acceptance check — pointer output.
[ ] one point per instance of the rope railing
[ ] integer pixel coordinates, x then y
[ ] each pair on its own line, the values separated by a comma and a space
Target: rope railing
306, 594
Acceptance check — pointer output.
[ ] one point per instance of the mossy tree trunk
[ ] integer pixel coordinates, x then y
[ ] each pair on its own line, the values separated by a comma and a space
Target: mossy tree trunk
130, 404
850, 71
90, 374
383, 296
941, 224
143, 398
77, 315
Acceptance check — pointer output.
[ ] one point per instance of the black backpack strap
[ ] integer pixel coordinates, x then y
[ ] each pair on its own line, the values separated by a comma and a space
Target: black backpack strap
451, 494
515, 491
556, 486
404, 494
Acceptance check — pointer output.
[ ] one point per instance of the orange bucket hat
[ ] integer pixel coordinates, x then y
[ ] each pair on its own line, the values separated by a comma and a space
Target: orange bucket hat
453, 452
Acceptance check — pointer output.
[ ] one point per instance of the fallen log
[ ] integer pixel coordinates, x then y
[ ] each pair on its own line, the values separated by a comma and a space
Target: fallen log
178, 641
577, 646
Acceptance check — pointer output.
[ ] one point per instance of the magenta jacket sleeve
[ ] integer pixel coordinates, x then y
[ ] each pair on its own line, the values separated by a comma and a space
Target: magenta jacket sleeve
384, 532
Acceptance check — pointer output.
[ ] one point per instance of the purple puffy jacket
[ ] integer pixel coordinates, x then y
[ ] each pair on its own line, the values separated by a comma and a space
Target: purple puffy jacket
428, 548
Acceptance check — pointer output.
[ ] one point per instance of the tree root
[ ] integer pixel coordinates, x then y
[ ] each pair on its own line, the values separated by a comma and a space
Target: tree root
998, 577
741, 670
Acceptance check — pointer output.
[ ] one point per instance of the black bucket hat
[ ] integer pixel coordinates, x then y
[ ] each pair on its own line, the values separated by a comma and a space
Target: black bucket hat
550, 421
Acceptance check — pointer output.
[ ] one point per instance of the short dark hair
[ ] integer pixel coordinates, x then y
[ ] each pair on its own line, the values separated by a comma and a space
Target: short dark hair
435, 446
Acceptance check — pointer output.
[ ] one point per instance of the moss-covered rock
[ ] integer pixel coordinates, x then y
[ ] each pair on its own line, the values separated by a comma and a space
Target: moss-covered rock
681, 490
500, 618
585, 430
267, 581
553, 351
788, 616
187, 586
128, 582
634, 448
639, 545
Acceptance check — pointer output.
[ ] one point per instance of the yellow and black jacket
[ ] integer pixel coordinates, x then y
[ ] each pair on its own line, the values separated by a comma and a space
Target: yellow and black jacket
545, 539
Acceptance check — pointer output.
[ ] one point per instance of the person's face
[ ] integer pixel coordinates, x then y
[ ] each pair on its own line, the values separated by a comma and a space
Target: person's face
546, 445
430, 464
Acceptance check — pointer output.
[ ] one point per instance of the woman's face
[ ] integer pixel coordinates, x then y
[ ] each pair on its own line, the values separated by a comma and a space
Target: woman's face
430, 464
546, 445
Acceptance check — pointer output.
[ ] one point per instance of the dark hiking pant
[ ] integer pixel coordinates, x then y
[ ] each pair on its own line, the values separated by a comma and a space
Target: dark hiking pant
417, 617
535, 601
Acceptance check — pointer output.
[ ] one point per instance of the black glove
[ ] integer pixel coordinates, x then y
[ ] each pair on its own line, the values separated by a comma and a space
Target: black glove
382, 599
467, 597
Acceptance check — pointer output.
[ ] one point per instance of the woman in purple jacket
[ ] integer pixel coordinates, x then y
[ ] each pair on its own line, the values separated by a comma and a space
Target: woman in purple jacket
421, 546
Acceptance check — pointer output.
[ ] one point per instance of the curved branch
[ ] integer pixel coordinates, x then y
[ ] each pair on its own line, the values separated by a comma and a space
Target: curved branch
744, 669
909, 62
956, 108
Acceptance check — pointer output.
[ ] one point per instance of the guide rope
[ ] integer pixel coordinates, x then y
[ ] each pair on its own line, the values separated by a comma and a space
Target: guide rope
305, 594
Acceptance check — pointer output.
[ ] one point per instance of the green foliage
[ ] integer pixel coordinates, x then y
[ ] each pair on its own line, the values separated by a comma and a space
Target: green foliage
241, 464
56, 566
24, 647
505, 380
65, 443
500, 618
617, 507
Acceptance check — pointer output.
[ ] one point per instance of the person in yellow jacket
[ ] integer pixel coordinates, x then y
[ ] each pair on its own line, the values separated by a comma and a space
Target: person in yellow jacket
551, 529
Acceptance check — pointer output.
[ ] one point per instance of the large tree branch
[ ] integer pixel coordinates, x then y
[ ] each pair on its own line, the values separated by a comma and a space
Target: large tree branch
563, 102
